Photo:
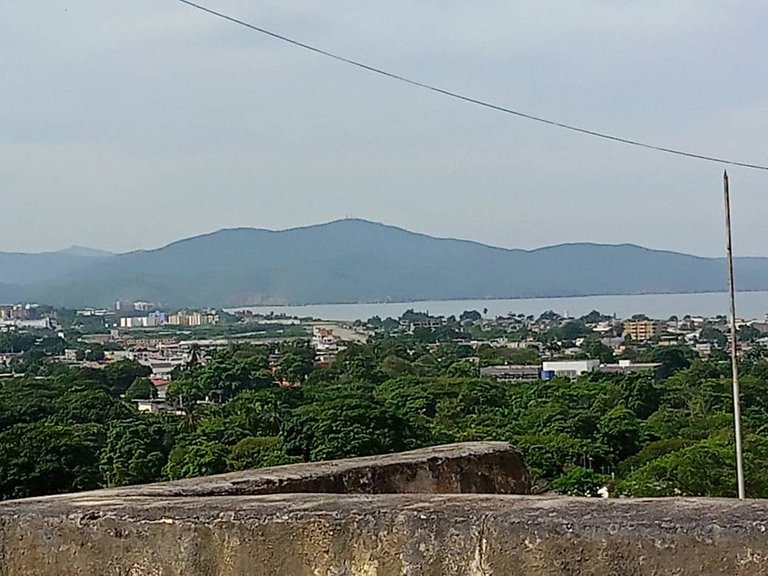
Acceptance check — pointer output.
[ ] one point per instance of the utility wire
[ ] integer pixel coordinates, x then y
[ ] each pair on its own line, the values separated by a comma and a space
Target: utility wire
470, 99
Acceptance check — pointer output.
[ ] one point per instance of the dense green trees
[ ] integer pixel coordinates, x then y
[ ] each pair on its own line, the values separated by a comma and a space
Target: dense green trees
579, 481
705, 468
118, 376
343, 425
200, 458
13, 342
296, 362
137, 449
46, 458
491, 356
568, 332
259, 452
228, 373
248, 406
141, 389
714, 336
594, 348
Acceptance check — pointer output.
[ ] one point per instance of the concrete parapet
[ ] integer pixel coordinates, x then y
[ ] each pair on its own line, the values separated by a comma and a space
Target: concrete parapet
172, 530
470, 467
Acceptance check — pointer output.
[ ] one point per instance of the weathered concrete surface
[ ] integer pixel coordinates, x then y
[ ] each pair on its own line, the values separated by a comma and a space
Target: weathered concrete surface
470, 467
229, 526
381, 535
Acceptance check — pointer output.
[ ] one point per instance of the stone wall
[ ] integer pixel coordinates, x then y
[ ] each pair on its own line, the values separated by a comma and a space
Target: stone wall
471, 467
218, 527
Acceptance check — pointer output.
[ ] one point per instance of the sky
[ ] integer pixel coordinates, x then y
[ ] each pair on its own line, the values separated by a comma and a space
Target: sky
132, 124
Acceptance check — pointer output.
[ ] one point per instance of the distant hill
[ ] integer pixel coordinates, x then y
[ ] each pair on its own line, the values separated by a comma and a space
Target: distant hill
85, 251
22, 269
361, 261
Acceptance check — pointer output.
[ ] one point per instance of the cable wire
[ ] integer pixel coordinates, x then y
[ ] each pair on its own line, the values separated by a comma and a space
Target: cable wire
469, 99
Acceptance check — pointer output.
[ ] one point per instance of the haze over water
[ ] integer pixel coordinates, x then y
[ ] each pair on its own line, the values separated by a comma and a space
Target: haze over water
749, 305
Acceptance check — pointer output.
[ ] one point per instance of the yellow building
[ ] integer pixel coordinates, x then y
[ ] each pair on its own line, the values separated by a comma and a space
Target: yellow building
642, 330
192, 318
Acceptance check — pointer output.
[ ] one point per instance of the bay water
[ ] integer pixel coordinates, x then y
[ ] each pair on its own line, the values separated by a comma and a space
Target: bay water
749, 305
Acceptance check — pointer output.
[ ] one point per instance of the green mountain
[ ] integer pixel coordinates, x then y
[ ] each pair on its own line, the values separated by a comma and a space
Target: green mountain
361, 261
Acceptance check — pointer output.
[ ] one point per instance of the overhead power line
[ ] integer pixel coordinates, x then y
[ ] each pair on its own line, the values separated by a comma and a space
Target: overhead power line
469, 99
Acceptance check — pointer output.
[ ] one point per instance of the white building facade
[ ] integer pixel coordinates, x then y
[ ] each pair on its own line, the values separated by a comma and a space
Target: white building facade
570, 368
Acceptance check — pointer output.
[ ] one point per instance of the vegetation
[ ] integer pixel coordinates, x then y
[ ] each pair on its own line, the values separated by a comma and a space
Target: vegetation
65, 429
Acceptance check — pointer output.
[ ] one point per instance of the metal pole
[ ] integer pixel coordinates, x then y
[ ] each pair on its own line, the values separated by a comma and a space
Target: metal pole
734, 342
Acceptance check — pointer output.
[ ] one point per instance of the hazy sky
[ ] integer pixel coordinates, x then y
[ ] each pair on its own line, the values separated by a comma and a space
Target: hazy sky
130, 124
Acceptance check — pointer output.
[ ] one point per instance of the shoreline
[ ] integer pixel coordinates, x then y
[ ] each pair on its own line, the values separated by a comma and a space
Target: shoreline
752, 304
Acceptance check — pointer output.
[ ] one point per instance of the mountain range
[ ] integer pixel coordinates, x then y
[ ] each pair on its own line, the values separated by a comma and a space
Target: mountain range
354, 261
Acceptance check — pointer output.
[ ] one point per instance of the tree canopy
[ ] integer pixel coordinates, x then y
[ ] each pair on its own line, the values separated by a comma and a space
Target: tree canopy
251, 406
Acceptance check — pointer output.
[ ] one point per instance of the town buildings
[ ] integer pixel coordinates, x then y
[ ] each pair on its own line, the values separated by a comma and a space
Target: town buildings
326, 344
629, 367
511, 373
192, 318
150, 320
643, 330
565, 369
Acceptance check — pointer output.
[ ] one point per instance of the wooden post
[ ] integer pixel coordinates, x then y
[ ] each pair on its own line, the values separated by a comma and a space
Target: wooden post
734, 342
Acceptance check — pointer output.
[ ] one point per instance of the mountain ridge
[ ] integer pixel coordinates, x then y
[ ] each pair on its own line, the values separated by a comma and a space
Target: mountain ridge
353, 260
88, 251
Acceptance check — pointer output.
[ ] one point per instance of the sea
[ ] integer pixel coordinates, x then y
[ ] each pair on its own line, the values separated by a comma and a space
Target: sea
749, 305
